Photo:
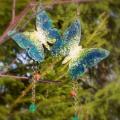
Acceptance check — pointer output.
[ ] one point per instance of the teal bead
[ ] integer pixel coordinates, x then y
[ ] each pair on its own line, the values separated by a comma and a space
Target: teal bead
75, 117
32, 107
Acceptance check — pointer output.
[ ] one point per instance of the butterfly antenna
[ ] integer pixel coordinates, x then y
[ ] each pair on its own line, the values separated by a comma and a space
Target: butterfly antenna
40, 6
78, 12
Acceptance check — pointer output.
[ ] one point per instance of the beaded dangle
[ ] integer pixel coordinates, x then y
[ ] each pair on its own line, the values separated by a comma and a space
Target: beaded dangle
36, 77
74, 94
75, 87
32, 107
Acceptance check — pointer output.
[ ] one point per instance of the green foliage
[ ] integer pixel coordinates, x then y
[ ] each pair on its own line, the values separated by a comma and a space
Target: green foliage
98, 94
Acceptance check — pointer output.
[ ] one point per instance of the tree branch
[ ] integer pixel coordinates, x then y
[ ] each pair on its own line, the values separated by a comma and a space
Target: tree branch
15, 77
27, 90
60, 2
86, 85
16, 19
13, 11
27, 78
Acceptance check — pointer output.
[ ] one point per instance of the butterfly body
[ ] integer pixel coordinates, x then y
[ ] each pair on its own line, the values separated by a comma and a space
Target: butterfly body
74, 52
38, 38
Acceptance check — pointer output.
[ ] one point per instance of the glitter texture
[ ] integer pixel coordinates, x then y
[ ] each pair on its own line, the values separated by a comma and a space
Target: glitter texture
86, 58
71, 37
33, 41
79, 59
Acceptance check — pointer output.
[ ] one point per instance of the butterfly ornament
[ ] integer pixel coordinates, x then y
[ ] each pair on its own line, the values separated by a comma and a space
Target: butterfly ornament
79, 59
34, 41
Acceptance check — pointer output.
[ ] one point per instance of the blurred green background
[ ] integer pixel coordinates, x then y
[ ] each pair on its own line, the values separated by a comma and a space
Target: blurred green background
99, 89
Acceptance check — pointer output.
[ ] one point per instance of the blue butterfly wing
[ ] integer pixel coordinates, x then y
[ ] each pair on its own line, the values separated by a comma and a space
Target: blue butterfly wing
71, 37
36, 53
73, 32
86, 59
20, 39
43, 22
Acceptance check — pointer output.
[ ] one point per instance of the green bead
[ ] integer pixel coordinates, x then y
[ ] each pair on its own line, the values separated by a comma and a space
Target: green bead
32, 107
75, 117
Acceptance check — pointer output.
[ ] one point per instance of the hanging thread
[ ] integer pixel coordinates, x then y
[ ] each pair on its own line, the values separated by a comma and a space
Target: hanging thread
33, 107
35, 78
74, 94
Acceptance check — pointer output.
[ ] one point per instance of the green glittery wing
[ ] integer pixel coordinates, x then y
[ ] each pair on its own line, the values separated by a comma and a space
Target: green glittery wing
87, 58
34, 48
71, 38
44, 25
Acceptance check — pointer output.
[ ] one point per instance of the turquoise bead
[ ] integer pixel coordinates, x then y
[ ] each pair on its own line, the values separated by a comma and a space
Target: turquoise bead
32, 107
75, 117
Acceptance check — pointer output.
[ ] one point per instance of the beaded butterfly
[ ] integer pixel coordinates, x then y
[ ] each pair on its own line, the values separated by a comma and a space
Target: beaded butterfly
34, 41
79, 59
